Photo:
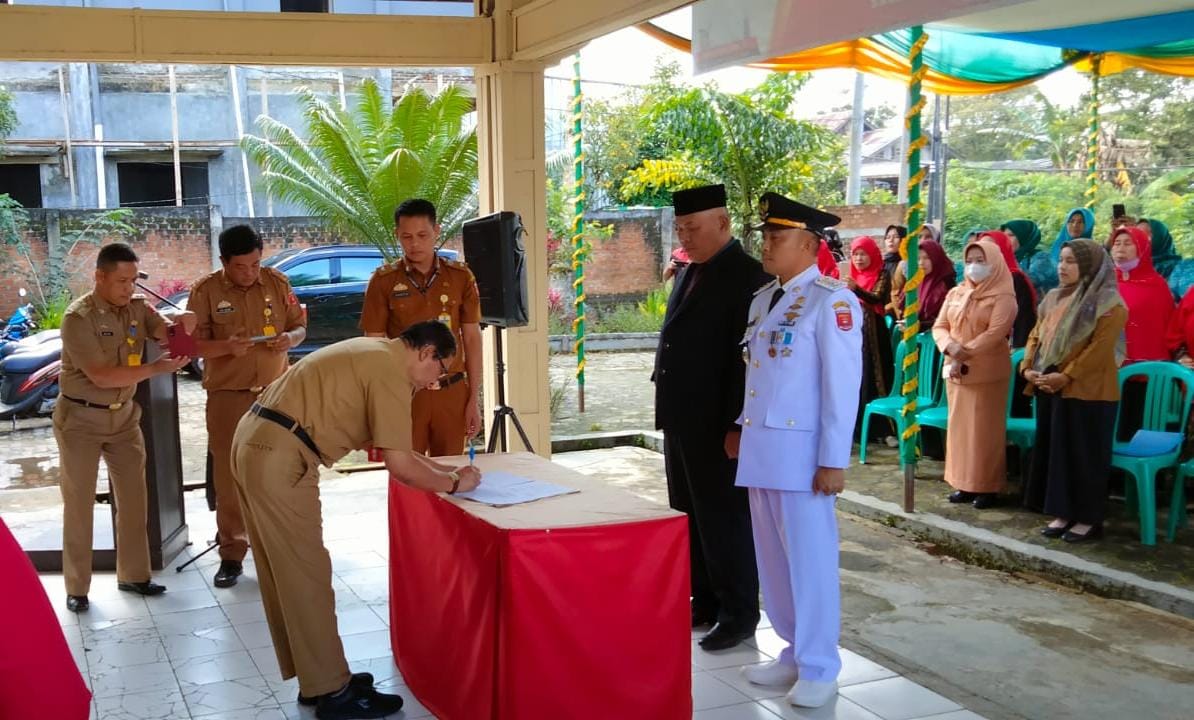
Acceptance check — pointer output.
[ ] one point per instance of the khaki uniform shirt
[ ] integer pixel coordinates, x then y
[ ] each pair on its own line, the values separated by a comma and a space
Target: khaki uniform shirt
222, 309
399, 296
347, 394
98, 334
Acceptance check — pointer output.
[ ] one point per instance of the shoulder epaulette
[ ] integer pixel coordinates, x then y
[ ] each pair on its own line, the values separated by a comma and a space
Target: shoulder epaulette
829, 283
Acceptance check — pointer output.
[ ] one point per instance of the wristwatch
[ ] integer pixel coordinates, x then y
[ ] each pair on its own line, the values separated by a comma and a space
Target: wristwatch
455, 481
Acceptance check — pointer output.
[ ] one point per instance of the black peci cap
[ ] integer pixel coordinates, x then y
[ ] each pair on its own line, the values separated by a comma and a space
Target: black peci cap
695, 200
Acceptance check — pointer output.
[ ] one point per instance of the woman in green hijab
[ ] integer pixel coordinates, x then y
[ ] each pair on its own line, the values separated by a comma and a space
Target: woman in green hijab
1025, 237
1165, 257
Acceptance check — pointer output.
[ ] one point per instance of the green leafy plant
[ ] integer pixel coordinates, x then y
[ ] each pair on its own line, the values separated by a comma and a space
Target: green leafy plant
879, 196
625, 318
654, 306
559, 393
355, 166
50, 314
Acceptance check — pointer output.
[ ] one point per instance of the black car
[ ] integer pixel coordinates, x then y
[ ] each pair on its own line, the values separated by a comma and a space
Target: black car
330, 282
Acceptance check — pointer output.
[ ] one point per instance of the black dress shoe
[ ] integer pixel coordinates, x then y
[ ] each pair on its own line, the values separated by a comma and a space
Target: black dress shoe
365, 679
724, 637
986, 500
1056, 532
142, 588
1094, 533
357, 702
77, 603
958, 497
229, 571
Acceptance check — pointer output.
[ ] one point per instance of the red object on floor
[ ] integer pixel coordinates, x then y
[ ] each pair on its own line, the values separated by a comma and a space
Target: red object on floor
492, 622
38, 676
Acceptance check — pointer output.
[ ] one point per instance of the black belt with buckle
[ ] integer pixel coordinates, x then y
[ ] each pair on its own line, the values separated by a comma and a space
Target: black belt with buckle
450, 380
287, 422
97, 406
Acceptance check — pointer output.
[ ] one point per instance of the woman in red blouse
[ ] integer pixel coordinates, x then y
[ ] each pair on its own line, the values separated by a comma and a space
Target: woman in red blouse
1150, 307
1147, 295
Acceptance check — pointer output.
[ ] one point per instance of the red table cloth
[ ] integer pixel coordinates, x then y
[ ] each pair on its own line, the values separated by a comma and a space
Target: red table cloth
38, 676
570, 607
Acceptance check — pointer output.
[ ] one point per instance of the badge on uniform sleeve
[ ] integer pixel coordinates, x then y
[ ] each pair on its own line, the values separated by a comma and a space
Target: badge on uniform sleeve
845, 319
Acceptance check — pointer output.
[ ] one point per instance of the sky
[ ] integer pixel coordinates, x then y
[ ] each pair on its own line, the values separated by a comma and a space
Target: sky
629, 56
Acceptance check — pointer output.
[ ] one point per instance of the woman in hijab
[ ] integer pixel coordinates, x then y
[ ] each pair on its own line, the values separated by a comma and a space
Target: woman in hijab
1165, 257
1025, 237
971, 332
1071, 363
1025, 293
871, 284
939, 280
891, 265
1080, 223
1145, 292
1150, 307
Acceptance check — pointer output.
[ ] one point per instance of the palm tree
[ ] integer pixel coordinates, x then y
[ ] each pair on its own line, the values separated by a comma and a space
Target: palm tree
355, 166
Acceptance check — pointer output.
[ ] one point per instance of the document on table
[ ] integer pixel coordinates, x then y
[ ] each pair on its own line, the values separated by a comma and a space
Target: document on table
501, 489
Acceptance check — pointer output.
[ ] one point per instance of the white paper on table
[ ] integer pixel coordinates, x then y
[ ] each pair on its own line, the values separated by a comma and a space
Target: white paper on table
501, 489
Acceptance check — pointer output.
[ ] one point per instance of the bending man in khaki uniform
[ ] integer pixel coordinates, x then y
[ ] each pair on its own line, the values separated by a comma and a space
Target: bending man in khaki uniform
103, 352
240, 301
331, 402
419, 287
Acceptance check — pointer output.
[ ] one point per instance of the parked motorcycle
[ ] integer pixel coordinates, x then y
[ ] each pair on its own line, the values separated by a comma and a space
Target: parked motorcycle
20, 324
29, 382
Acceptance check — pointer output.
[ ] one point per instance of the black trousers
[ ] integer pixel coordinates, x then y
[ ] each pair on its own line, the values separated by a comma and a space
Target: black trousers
1072, 458
721, 548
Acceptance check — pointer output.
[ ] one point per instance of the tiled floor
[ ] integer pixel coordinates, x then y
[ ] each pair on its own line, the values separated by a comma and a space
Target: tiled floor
199, 653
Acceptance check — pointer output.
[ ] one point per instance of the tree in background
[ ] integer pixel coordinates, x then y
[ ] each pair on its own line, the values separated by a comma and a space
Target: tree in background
747, 140
355, 166
1017, 125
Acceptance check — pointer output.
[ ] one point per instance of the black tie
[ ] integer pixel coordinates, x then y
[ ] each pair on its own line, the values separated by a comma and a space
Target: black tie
775, 296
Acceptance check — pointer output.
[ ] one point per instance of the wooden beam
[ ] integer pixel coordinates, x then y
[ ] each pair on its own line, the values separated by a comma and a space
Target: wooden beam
545, 28
68, 34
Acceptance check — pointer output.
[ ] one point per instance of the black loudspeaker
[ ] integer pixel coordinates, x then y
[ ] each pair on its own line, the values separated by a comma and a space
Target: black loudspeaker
495, 253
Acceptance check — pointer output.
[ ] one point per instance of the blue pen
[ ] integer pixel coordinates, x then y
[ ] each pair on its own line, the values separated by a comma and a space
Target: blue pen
472, 453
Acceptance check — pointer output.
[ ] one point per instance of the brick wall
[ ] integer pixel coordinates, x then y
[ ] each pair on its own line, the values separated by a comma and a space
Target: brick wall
866, 219
630, 262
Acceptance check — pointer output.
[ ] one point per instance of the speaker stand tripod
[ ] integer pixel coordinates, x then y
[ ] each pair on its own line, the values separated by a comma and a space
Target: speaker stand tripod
502, 410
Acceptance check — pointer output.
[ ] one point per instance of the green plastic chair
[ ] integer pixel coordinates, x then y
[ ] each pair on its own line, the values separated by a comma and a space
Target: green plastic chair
1021, 432
1177, 500
934, 414
1169, 391
928, 376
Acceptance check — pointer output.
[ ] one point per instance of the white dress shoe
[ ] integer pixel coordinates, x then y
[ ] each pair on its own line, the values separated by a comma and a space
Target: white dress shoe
772, 673
811, 694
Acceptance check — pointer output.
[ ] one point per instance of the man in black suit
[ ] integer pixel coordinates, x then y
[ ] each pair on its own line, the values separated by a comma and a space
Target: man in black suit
699, 378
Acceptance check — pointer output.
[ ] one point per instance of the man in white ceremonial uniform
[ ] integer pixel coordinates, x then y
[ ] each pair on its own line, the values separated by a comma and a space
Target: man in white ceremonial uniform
803, 348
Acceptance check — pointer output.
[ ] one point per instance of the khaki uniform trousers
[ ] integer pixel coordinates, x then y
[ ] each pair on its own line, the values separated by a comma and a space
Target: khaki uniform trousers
278, 480
84, 435
437, 420
224, 410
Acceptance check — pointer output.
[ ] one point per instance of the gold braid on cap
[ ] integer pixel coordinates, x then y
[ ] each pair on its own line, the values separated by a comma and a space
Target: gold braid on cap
786, 223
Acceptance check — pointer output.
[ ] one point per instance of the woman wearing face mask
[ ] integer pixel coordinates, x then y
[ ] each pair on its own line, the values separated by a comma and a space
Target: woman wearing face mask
892, 265
1072, 363
972, 332
1150, 307
872, 285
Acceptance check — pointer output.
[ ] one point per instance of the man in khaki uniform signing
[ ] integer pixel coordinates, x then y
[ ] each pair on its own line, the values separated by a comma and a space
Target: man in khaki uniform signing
104, 335
240, 301
422, 286
331, 402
